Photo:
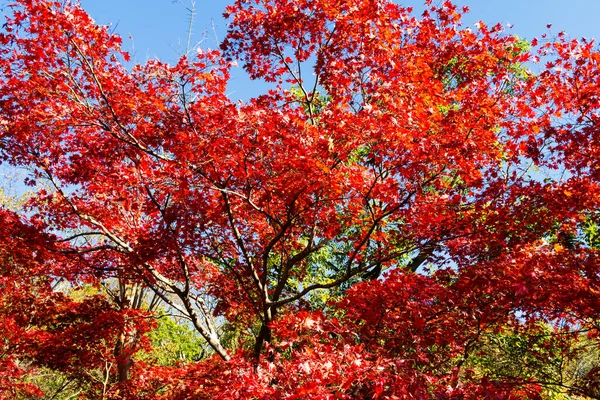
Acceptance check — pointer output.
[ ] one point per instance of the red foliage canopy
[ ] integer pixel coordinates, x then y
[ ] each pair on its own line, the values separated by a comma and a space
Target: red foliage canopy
418, 146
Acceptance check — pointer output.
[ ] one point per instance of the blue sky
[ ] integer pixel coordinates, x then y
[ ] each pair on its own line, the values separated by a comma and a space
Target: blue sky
158, 28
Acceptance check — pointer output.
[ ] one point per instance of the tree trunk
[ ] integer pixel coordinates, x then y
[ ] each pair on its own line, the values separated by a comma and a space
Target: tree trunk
263, 336
123, 349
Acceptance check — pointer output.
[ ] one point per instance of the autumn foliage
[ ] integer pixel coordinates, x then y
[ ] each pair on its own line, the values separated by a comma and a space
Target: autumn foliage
410, 211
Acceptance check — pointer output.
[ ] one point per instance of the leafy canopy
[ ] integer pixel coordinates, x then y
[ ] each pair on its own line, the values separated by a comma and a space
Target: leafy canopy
385, 228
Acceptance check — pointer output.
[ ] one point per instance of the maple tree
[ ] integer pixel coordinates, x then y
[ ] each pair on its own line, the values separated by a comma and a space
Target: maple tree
373, 231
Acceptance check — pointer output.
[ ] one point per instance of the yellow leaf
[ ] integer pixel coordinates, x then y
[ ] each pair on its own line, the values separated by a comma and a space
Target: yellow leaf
558, 247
